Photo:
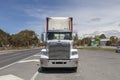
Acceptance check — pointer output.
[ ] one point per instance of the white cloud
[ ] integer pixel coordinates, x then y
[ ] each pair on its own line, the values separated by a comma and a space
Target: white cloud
87, 19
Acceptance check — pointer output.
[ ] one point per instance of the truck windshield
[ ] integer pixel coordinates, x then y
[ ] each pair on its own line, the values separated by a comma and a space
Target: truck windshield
59, 35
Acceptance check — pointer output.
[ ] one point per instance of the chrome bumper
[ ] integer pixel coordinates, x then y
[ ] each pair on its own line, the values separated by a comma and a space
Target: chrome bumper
58, 63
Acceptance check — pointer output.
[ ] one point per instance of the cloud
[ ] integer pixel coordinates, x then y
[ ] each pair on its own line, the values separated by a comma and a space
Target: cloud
88, 16
96, 19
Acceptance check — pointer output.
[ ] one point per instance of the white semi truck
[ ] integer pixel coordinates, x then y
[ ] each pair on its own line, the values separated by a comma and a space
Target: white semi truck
59, 52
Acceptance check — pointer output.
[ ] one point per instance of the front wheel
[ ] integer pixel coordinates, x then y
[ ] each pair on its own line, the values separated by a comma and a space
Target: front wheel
43, 68
75, 69
116, 51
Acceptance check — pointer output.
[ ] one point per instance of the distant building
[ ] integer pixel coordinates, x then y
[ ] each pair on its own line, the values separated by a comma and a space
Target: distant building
94, 43
103, 42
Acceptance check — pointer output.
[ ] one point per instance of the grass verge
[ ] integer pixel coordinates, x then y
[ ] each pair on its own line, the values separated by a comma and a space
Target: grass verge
97, 48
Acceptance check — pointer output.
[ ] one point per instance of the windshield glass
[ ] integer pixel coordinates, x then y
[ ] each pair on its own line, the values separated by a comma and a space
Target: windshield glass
59, 35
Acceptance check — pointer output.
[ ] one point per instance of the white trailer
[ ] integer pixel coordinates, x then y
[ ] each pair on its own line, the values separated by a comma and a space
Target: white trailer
59, 52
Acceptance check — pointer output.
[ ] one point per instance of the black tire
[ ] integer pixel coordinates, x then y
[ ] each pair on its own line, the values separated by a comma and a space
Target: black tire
116, 51
43, 68
75, 69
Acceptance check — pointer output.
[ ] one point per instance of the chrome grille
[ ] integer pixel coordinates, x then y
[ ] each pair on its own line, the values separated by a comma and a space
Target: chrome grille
59, 51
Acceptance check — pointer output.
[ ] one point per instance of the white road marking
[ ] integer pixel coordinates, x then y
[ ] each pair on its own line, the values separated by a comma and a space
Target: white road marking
37, 55
16, 62
8, 65
34, 76
10, 77
33, 60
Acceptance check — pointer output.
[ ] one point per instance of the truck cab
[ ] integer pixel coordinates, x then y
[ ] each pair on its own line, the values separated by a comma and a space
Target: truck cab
59, 51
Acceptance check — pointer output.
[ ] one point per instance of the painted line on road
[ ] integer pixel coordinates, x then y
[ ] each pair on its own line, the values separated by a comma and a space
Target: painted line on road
37, 55
7, 66
10, 77
32, 60
16, 62
34, 76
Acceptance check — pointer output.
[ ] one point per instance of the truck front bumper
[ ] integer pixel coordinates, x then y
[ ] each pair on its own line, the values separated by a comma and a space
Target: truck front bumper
59, 63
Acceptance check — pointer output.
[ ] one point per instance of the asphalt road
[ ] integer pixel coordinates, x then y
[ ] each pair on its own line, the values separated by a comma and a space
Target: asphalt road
6, 59
93, 65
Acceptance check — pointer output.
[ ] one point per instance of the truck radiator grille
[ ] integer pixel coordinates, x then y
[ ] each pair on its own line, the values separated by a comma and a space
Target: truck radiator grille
59, 51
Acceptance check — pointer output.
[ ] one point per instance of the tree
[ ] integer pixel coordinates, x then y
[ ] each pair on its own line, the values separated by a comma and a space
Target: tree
97, 38
102, 36
75, 40
86, 40
24, 38
114, 39
108, 43
78, 42
4, 38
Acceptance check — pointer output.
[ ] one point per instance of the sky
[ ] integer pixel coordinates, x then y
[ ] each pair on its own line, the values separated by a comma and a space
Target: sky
88, 15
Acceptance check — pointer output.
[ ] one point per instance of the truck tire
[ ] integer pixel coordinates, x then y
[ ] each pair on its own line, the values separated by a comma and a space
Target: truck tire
43, 68
116, 51
75, 69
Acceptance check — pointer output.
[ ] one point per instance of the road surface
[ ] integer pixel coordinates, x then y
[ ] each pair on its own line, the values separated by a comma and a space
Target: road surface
93, 65
6, 59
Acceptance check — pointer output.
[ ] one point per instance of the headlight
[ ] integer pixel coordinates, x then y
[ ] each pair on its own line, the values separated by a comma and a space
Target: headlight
44, 53
74, 53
